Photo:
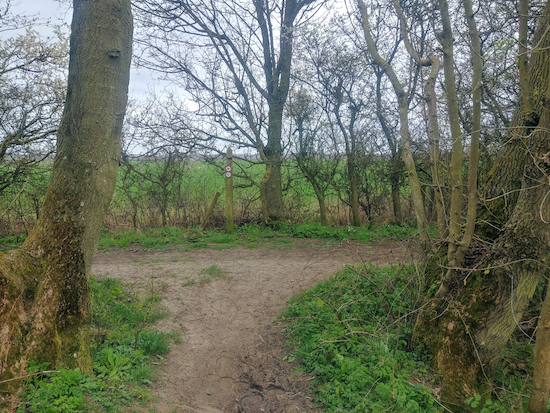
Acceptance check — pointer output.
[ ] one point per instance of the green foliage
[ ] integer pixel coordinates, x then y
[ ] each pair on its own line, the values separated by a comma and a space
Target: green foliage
192, 238
11, 242
61, 392
364, 234
214, 271
477, 404
351, 333
123, 348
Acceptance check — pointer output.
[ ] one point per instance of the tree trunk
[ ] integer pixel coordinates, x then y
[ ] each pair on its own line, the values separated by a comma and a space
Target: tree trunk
466, 332
395, 160
414, 182
405, 139
322, 209
273, 152
45, 295
455, 166
541, 378
396, 195
354, 191
320, 199
434, 138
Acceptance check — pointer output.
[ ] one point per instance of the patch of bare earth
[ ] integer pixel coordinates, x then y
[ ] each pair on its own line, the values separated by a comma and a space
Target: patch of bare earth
231, 357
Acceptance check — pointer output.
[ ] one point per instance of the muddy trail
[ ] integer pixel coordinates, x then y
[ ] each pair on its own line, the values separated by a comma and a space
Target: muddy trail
225, 304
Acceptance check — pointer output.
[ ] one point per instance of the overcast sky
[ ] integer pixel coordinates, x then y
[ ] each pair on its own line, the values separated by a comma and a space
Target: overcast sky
59, 12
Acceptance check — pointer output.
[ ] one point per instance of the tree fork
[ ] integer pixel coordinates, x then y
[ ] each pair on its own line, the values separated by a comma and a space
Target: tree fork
467, 333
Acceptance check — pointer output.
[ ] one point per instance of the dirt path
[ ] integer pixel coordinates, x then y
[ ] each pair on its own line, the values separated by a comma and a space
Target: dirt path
231, 355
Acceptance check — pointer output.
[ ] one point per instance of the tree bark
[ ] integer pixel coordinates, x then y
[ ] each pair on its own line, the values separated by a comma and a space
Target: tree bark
455, 166
467, 331
541, 377
354, 191
406, 152
434, 138
273, 152
44, 288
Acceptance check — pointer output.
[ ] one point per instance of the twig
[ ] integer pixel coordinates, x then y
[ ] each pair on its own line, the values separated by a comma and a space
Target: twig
15, 199
29, 375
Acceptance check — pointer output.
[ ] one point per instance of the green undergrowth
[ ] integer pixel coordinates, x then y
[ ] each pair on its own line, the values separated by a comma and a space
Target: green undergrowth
249, 234
11, 242
124, 350
352, 333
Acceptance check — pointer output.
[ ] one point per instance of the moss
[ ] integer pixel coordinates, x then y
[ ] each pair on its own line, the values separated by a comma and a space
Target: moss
435, 265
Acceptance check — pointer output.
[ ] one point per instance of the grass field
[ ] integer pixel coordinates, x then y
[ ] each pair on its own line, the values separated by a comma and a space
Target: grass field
182, 192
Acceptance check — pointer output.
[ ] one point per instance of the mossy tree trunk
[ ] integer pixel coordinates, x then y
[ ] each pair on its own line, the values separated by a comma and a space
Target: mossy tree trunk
467, 329
44, 288
541, 376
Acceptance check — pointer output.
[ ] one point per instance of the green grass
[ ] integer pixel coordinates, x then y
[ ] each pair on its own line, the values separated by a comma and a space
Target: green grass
123, 348
352, 333
11, 242
364, 234
214, 271
248, 235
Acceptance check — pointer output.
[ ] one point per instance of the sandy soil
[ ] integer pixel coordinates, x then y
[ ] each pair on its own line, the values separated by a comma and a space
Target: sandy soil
231, 357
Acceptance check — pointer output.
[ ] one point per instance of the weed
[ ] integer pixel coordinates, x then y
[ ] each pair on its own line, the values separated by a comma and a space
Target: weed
195, 246
123, 346
223, 247
193, 238
214, 271
222, 239
352, 334
188, 281
11, 242
347, 334
62, 392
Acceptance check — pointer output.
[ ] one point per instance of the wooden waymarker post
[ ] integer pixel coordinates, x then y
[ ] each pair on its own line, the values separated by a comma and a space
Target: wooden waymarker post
229, 192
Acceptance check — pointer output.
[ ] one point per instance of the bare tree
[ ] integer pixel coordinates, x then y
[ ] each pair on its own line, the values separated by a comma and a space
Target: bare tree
316, 153
235, 60
403, 99
32, 89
